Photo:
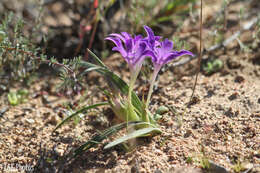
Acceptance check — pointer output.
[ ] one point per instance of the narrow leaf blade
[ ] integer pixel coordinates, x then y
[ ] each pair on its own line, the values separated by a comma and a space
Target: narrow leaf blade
123, 87
78, 112
96, 139
134, 134
116, 81
97, 59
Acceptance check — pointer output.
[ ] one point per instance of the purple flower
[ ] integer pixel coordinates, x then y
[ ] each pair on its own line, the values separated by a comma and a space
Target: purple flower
161, 51
132, 49
151, 39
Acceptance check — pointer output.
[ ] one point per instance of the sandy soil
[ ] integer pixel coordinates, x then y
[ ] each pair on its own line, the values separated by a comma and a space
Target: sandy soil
222, 126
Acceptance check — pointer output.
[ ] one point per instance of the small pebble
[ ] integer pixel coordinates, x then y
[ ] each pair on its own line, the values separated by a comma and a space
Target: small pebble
233, 64
229, 138
31, 121
239, 79
20, 150
3, 111
52, 120
59, 151
233, 96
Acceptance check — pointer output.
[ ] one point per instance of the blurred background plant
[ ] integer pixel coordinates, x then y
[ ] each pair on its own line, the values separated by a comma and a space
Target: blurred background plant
73, 26
155, 13
79, 24
17, 97
211, 66
16, 47
256, 35
21, 58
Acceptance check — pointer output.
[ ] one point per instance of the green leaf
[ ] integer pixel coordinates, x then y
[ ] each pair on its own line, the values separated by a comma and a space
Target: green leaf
2, 35
23, 92
94, 68
96, 139
161, 110
78, 112
134, 134
18, 97
97, 59
12, 98
114, 81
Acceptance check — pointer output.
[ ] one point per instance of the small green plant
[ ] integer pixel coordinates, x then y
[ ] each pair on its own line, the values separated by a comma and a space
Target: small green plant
17, 97
211, 66
122, 99
15, 63
189, 160
179, 44
204, 163
202, 160
159, 112
20, 58
238, 167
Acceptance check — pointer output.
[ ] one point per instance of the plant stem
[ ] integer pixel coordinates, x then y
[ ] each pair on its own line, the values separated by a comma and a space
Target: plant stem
133, 73
131, 114
200, 55
152, 81
131, 86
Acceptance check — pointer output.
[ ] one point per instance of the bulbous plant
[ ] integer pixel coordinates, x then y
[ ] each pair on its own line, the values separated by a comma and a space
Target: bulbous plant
122, 99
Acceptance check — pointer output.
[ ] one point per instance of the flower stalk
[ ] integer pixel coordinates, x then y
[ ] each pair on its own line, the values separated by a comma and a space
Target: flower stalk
152, 81
131, 114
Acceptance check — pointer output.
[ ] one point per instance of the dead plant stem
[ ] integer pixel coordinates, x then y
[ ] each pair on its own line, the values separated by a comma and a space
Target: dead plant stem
200, 55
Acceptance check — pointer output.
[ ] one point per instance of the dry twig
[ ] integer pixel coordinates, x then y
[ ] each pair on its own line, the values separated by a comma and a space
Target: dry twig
200, 55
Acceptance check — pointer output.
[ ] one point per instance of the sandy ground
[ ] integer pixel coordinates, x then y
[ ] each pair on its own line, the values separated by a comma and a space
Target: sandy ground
222, 126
